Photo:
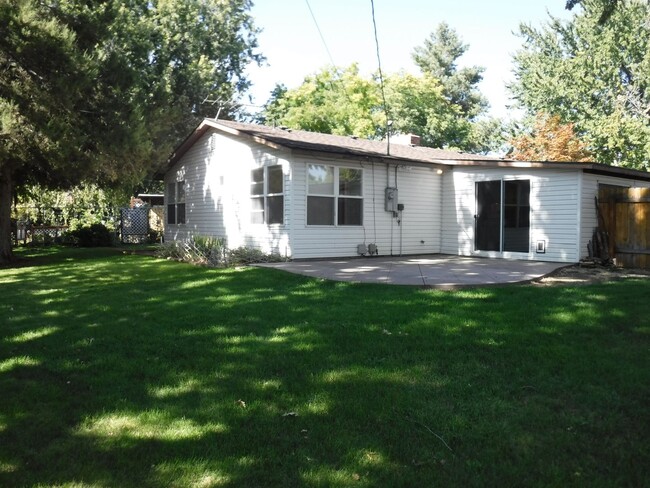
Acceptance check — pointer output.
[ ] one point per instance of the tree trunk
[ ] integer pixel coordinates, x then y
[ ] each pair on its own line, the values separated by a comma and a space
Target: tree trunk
6, 193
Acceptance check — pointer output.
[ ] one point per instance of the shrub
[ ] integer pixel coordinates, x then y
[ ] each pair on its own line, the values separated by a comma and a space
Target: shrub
199, 250
95, 235
249, 255
212, 251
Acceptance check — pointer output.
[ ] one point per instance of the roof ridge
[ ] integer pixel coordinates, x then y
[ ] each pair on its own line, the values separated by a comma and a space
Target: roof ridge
400, 150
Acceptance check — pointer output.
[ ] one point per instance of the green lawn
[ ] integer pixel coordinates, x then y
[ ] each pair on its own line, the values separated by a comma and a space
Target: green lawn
124, 370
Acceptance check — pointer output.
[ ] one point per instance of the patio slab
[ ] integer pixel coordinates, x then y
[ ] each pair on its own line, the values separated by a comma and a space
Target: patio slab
437, 271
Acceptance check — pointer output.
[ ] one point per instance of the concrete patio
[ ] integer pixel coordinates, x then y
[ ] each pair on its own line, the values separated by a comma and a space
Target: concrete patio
437, 271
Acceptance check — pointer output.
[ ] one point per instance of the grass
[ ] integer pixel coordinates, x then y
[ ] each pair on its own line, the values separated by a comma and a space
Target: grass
124, 370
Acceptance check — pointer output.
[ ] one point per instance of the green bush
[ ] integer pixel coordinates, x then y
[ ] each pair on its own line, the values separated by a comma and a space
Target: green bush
95, 235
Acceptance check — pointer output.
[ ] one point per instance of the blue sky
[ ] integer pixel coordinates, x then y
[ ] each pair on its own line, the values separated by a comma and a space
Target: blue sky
294, 49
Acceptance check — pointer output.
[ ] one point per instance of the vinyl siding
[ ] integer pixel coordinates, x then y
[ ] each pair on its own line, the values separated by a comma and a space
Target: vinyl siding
554, 211
589, 220
419, 232
217, 173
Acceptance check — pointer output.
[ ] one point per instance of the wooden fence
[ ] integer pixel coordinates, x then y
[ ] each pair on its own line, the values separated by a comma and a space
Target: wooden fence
625, 216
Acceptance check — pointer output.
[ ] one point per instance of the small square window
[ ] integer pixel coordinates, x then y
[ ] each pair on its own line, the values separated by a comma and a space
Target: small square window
350, 181
320, 211
320, 179
350, 211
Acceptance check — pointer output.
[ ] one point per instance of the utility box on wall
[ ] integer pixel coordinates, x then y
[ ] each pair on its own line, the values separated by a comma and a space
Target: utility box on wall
391, 199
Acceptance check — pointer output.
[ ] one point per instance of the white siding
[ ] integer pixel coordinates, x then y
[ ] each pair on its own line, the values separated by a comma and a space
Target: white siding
418, 233
438, 215
589, 216
217, 174
554, 211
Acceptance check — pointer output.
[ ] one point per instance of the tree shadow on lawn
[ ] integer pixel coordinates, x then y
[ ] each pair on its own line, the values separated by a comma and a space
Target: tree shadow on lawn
136, 372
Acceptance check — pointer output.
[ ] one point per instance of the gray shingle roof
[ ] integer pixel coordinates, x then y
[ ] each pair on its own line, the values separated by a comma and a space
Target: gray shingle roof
356, 147
346, 145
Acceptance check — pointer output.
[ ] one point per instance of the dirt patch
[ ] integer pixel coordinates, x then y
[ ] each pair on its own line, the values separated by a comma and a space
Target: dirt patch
589, 273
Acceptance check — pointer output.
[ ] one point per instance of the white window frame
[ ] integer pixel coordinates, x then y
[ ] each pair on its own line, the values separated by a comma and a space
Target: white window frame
266, 195
335, 195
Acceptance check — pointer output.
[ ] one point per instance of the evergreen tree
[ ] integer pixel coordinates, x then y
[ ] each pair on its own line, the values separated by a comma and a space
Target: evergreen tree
438, 57
101, 90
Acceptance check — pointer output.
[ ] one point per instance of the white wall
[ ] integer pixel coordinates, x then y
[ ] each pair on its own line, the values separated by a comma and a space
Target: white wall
554, 211
216, 170
590, 184
419, 191
217, 174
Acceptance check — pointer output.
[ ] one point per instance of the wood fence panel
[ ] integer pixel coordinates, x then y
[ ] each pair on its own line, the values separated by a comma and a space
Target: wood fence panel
626, 218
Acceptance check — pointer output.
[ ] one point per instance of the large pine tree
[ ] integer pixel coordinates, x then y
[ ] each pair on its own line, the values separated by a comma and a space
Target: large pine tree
101, 90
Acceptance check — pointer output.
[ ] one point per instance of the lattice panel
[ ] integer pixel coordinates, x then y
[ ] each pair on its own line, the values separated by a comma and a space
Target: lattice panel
135, 224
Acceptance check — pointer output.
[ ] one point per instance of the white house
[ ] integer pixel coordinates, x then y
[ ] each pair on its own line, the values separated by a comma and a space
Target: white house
310, 195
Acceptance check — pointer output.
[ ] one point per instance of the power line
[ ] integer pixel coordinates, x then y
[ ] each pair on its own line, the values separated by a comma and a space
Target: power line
381, 79
337, 72
322, 38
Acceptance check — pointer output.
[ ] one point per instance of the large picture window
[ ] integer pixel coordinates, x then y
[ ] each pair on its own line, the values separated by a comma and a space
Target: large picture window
267, 195
176, 202
334, 195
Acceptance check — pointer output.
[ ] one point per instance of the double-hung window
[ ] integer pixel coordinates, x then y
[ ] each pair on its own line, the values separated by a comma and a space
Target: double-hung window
267, 195
334, 195
176, 202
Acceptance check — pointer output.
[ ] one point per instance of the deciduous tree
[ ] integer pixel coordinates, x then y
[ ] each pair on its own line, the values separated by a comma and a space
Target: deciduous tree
594, 74
550, 140
332, 101
100, 90
335, 101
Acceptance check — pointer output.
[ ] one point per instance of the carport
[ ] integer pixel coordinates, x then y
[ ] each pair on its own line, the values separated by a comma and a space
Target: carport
436, 271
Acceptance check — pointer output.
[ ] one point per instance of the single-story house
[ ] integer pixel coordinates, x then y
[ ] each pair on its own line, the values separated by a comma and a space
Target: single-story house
310, 195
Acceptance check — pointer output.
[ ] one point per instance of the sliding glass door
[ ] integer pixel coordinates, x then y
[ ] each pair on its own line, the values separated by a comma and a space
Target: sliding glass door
502, 216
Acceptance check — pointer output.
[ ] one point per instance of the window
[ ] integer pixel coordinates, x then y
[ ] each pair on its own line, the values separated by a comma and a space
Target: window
267, 195
176, 202
334, 195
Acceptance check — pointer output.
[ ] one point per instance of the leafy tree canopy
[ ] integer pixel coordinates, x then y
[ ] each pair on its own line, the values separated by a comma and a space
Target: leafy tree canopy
341, 101
595, 75
331, 101
101, 90
550, 140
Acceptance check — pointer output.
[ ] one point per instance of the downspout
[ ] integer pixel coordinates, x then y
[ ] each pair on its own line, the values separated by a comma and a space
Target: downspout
398, 216
579, 213
391, 217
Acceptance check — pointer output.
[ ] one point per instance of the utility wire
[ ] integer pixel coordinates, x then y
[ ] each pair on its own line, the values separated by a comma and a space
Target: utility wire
322, 38
329, 54
381, 79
